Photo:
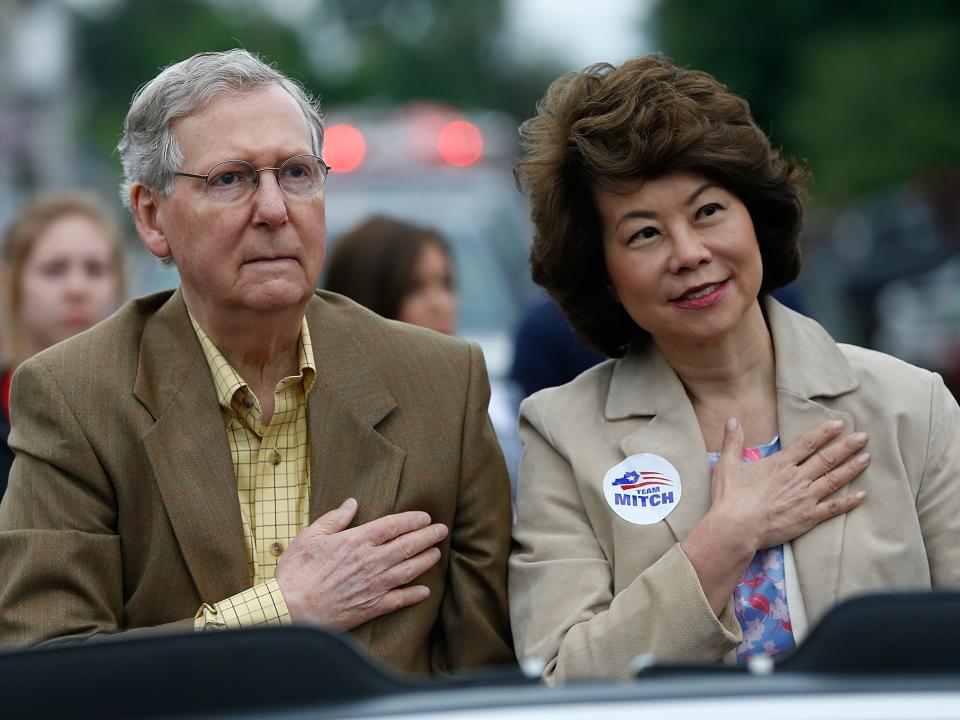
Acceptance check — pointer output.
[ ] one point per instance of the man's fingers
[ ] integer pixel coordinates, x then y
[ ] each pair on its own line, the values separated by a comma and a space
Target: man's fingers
336, 520
811, 441
389, 527
833, 480
411, 544
409, 570
398, 598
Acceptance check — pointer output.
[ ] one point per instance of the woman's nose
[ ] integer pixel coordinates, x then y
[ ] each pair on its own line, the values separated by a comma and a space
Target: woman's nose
77, 283
687, 250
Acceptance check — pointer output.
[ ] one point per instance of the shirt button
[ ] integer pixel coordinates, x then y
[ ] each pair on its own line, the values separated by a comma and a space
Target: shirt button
276, 457
276, 549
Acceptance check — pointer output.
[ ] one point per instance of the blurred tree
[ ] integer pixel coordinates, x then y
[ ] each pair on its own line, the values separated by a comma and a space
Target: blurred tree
120, 50
868, 91
347, 51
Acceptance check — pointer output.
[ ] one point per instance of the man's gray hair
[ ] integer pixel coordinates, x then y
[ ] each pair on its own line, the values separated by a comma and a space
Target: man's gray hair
149, 149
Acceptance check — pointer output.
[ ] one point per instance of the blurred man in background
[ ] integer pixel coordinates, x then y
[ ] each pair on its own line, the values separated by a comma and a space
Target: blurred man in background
243, 450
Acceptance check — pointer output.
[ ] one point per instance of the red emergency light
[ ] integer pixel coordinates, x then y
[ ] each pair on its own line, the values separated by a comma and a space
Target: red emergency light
343, 148
460, 143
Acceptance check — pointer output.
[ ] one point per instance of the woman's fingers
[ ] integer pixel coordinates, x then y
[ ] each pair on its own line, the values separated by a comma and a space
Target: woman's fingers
835, 478
837, 506
731, 451
811, 441
826, 460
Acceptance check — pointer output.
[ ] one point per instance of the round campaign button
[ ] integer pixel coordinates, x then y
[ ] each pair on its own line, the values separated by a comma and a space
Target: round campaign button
643, 489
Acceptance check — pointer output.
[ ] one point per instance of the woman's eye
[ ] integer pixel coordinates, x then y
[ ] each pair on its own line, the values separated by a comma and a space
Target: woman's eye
709, 209
645, 235
53, 269
96, 269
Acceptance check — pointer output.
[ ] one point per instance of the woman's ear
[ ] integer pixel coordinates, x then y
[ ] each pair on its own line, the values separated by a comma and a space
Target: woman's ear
612, 291
146, 216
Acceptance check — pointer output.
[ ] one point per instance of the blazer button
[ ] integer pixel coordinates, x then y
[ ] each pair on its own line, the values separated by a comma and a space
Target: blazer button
276, 457
276, 549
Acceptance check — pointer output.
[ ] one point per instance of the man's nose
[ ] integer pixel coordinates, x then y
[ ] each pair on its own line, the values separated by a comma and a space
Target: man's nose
269, 203
687, 250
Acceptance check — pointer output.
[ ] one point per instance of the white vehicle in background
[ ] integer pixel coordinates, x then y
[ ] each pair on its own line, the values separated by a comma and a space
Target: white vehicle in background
437, 167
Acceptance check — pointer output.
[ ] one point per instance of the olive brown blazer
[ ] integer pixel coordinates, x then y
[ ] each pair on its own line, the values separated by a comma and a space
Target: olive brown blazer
122, 508
589, 591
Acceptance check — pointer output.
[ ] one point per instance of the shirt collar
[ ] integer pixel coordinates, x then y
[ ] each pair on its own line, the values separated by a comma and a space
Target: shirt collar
228, 382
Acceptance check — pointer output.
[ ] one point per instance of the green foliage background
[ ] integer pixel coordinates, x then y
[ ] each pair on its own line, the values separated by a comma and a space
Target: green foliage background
868, 91
454, 62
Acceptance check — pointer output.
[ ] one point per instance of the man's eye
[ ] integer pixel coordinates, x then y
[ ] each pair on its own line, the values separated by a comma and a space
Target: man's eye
230, 177
224, 179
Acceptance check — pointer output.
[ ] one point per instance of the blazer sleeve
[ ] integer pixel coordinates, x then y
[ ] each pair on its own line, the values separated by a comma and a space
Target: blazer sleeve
473, 612
562, 606
938, 498
60, 555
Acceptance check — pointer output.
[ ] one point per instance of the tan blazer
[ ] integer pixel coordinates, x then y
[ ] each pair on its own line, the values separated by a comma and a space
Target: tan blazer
589, 591
122, 509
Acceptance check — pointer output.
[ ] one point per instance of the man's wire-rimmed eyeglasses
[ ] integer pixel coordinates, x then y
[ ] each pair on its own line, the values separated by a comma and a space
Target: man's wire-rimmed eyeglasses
231, 181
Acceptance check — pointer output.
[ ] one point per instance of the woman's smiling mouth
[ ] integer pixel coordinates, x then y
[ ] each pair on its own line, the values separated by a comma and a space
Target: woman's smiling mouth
702, 296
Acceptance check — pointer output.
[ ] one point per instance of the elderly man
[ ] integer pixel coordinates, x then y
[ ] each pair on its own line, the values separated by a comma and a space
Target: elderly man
246, 450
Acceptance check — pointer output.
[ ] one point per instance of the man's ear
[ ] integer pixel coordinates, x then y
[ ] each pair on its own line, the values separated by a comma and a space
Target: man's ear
146, 216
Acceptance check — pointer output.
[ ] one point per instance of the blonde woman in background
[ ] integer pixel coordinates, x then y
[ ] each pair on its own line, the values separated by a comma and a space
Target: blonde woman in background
62, 272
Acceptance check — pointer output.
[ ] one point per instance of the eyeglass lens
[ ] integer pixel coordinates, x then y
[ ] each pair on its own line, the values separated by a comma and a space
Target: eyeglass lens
300, 176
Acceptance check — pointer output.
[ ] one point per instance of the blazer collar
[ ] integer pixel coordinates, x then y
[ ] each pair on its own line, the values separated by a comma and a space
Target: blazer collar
169, 349
808, 364
341, 362
349, 457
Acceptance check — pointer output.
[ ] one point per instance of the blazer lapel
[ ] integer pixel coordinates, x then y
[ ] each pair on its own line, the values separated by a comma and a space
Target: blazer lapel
809, 366
189, 455
672, 431
348, 457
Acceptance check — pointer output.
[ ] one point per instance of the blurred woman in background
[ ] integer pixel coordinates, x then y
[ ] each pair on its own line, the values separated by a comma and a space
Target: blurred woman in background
62, 272
400, 271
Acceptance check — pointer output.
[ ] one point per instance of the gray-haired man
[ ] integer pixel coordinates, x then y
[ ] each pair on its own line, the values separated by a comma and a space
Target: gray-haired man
244, 450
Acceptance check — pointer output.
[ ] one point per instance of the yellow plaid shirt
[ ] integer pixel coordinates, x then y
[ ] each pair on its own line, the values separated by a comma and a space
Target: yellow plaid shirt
272, 467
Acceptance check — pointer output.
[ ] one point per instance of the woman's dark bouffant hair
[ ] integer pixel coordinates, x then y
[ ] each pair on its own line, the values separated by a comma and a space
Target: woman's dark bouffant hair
607, 127
373, 263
